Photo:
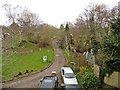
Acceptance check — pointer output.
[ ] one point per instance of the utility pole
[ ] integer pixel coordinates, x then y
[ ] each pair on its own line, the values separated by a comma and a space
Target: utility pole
119, 9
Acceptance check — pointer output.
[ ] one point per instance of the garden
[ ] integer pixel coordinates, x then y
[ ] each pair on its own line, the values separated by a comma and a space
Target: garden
27, 59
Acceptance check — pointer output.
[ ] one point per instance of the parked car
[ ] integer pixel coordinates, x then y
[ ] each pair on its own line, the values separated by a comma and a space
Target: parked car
68, 76
69, 79
49, 82
70, 87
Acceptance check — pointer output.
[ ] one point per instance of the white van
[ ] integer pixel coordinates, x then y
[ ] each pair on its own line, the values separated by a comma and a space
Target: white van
68, 76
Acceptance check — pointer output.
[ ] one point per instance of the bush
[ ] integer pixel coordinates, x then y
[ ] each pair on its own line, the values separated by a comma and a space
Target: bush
89, 80
85, 69
27, 71
20, 73
31, 70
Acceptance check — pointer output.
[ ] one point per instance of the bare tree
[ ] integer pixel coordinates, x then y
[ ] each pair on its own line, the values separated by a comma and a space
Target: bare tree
27, 18
20, 19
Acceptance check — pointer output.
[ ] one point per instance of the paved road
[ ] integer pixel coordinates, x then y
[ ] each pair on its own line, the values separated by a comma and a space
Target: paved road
32, 81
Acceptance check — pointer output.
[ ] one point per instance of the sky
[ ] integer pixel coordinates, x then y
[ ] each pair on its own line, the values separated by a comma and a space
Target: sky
54, 12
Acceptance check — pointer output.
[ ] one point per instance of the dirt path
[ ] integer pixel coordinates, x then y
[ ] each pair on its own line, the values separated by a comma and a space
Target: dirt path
32, 81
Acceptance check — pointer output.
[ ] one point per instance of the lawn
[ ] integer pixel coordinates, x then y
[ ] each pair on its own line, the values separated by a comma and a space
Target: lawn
17, 64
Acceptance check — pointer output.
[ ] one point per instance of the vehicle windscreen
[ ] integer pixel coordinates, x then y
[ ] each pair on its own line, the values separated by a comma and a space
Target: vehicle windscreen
47, 83
72, 87
69, 75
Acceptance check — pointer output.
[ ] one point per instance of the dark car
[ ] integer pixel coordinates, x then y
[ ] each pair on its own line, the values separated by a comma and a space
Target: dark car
49, 82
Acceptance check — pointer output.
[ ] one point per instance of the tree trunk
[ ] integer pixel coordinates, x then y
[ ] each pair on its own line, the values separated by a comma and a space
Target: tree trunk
20, 37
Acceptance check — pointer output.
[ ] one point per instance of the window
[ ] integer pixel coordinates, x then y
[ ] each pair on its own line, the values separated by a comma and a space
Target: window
63, 72
69, 75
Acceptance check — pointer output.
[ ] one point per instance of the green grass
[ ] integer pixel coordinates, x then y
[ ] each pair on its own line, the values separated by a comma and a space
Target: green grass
15, 63
69, 57
0, 67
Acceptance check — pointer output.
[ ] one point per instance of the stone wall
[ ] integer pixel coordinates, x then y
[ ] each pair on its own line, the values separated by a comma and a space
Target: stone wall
113, 79
96, 70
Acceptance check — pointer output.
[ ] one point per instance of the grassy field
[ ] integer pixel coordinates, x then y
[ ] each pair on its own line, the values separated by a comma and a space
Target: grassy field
17, 64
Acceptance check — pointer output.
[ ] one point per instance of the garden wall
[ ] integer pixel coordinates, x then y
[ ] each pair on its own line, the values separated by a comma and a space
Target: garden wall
96, 70
113, 79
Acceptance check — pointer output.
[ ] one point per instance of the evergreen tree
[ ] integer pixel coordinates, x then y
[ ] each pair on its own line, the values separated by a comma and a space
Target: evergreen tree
67, 37
67, 27
112, 48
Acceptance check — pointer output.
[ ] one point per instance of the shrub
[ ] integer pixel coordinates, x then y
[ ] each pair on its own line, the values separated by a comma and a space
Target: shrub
31, 70
85, 69
27, 71
89, 80
20, 73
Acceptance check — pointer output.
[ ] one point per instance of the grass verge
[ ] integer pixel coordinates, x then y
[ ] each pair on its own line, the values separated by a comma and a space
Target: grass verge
69, 56
17, 64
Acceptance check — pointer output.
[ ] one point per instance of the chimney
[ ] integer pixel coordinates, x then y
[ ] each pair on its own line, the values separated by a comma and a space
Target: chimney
119, 9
